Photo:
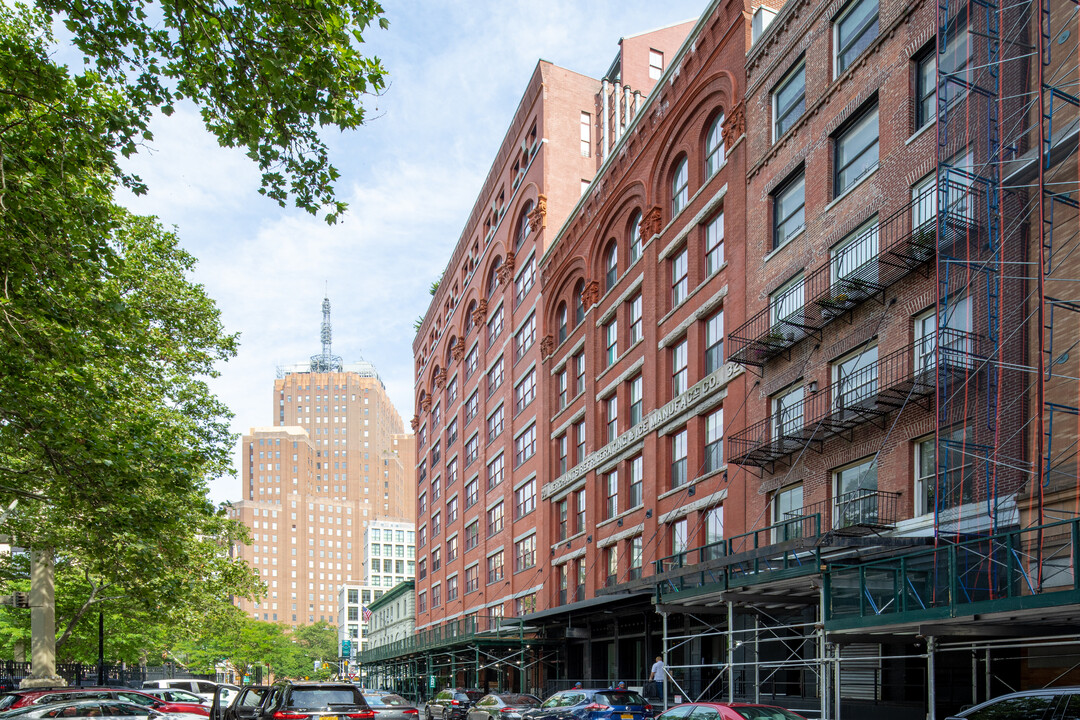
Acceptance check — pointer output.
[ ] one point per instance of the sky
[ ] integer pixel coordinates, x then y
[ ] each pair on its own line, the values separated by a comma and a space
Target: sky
410, 175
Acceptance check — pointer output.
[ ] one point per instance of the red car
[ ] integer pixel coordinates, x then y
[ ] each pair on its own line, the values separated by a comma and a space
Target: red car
23, 698
728, 711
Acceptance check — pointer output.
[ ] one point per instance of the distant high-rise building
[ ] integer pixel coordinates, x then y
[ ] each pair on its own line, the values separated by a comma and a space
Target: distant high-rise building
336, 459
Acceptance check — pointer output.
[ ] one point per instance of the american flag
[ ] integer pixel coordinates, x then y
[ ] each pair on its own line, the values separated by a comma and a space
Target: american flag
365, 613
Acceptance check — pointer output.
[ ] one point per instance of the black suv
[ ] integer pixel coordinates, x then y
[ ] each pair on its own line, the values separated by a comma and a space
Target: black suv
452, 703
297, 701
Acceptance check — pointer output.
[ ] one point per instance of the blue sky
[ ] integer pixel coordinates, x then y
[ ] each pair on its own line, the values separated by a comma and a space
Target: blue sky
457, 71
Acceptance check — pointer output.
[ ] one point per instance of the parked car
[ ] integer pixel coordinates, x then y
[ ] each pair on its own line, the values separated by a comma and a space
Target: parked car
104, 708
728, 711
452, 703
502, 706
1043, 704
388, 706
291, 700
239, 705
591, 704
183, 696
203, 688
26, 698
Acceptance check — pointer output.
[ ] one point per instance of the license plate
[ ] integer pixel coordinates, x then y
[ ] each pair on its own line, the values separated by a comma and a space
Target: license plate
329, 717
627, 716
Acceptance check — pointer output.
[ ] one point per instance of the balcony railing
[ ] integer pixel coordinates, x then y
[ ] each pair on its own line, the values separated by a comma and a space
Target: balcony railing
861, 396
858, 512
879, 257
461, 631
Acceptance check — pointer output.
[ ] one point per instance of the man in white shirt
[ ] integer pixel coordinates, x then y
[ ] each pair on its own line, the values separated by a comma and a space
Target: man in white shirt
656, 675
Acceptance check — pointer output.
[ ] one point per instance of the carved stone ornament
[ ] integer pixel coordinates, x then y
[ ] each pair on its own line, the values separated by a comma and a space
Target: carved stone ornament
479, 316
591, 295
734, 126
538, 217
439, 380
426, 404
547, 346
652, 223
415, 423
506, 271
457, 352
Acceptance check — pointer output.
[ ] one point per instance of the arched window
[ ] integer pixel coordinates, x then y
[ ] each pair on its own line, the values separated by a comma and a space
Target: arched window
450, 350
611, 266
714, 146
523, 228
680, 187
579, 302
560, 320
493, 277
635, 238
468, 318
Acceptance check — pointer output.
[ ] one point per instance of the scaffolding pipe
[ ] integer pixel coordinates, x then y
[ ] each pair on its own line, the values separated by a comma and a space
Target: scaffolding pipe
823, 667
731, 651
931, 695
757, 661
664, 689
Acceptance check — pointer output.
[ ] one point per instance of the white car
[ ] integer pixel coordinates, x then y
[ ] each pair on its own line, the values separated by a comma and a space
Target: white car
202, 688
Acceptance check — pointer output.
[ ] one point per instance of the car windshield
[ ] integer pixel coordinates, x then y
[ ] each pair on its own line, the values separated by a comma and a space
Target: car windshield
766, 713
564, 700
520, 700
385, 700
619, 698
324, 697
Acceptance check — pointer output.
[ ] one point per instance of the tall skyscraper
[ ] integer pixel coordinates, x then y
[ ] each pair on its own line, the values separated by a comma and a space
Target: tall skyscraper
336, 459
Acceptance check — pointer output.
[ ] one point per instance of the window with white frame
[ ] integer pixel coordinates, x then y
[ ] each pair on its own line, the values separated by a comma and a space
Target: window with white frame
856, 151
560, 388
611, 266
635, 238
525, 338
586, 134
680, 187
525, 391
787, 414
637, 478
714, 533
678, 458
680, 538
855, 379
471, 361
789, 100
637, 391
714, 146
495, 326
495, 377
656, 64
612, 417
714, 244
611, 504
853, 31
855, 497
714, 440
680, 374
635, 319
787, 506
525, 499
925, 475
714, 342
854, 261
789, 210
524, 282
525, 553
495, 472
495, 424
525, 445
611, 342
786, 306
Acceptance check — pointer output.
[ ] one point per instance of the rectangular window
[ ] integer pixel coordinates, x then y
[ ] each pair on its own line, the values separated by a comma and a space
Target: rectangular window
636, 545
925, 87
525, 553
611, 558
436, 596
524, 282
786, 307
472, 450
435, 491
855, 381
635, 320
525, 499
714, 441
714, 533
421, 602
854, 263
451, 472
678, 459
472, 579
611, 336
472, 406
611, 506
787, 506
436, 453
855, 28
436, 525
925, 475
495, 520
471, 361
451, 587
855, 495
714, 342
422, 503
680, 282
495, 568
495, 472
637, 475
451, 510
525, 446
525, 338
562, 450
451, 552
495, 424
680, 540
612, 417
579, 446
579, 518
495, 378
637, 388
495, 326
789, 210
562, 506
789, 100
560, 385
451, 433
436, 559
451, 393
680, 374
579, 373
472, 534
656, 64
586, 134
856, 151
787, 415
472, 493
714, 244
525, 391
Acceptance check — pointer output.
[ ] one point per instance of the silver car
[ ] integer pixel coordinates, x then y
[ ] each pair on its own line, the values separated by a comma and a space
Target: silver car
105, 708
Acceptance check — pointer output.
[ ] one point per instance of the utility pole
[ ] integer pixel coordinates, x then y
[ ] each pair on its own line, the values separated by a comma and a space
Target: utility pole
42, 622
